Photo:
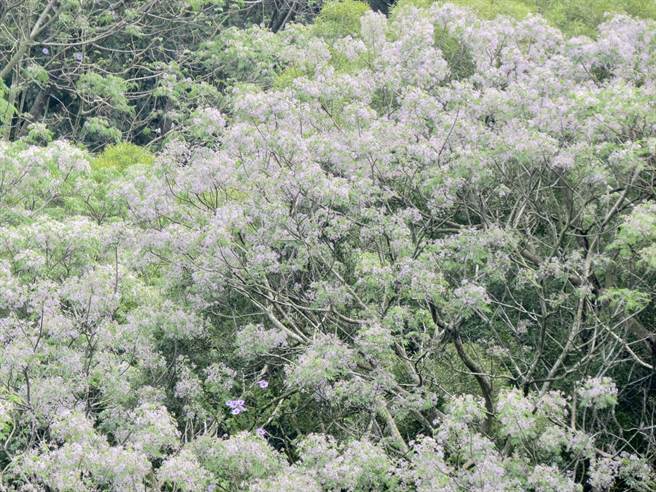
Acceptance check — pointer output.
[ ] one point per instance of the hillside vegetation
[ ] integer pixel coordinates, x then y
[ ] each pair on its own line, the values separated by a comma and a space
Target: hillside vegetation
332, 251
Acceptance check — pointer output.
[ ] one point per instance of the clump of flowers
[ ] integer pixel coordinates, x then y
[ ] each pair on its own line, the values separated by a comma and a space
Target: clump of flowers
184, 472
236, 406
324, 361
632, 470
598, 393
237, 459
516, 415
255, 340
358, 465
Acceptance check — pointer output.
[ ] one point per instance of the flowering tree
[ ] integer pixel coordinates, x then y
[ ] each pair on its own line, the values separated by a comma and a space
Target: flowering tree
100, 71
420, 259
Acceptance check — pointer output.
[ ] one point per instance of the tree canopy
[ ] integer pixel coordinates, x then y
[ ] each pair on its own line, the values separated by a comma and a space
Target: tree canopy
358, 253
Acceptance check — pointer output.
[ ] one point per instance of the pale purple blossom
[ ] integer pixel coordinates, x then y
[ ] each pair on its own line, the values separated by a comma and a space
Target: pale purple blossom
598, 392
236, 406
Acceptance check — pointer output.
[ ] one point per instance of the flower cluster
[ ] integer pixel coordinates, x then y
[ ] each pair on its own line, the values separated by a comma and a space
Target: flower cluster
236, 406
598, 393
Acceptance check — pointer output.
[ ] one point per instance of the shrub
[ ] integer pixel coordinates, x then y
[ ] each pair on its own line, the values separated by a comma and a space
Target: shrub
121, 156
339, 18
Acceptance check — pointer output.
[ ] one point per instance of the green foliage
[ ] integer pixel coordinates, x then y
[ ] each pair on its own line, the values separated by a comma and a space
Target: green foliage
631, 300
199, 4
242, 55
38, 134
339, 18
106, 60
488, 9
122, 155
638, 235
456, 54
37, 74
286, 77
108, 88
582, 18
6, 108
98, 131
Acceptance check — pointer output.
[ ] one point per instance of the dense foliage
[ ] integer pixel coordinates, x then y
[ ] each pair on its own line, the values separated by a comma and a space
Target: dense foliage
404, 253
103, 71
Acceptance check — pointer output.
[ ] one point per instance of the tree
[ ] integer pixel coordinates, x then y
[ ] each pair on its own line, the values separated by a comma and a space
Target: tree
382, 268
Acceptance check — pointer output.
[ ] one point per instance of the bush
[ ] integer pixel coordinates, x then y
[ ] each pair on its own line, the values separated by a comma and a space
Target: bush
121, 156
582, 18
339, 18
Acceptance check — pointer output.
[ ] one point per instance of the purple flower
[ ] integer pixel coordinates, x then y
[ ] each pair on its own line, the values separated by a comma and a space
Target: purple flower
236, 406
263, 383
45, 51
79, 56
261, 432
